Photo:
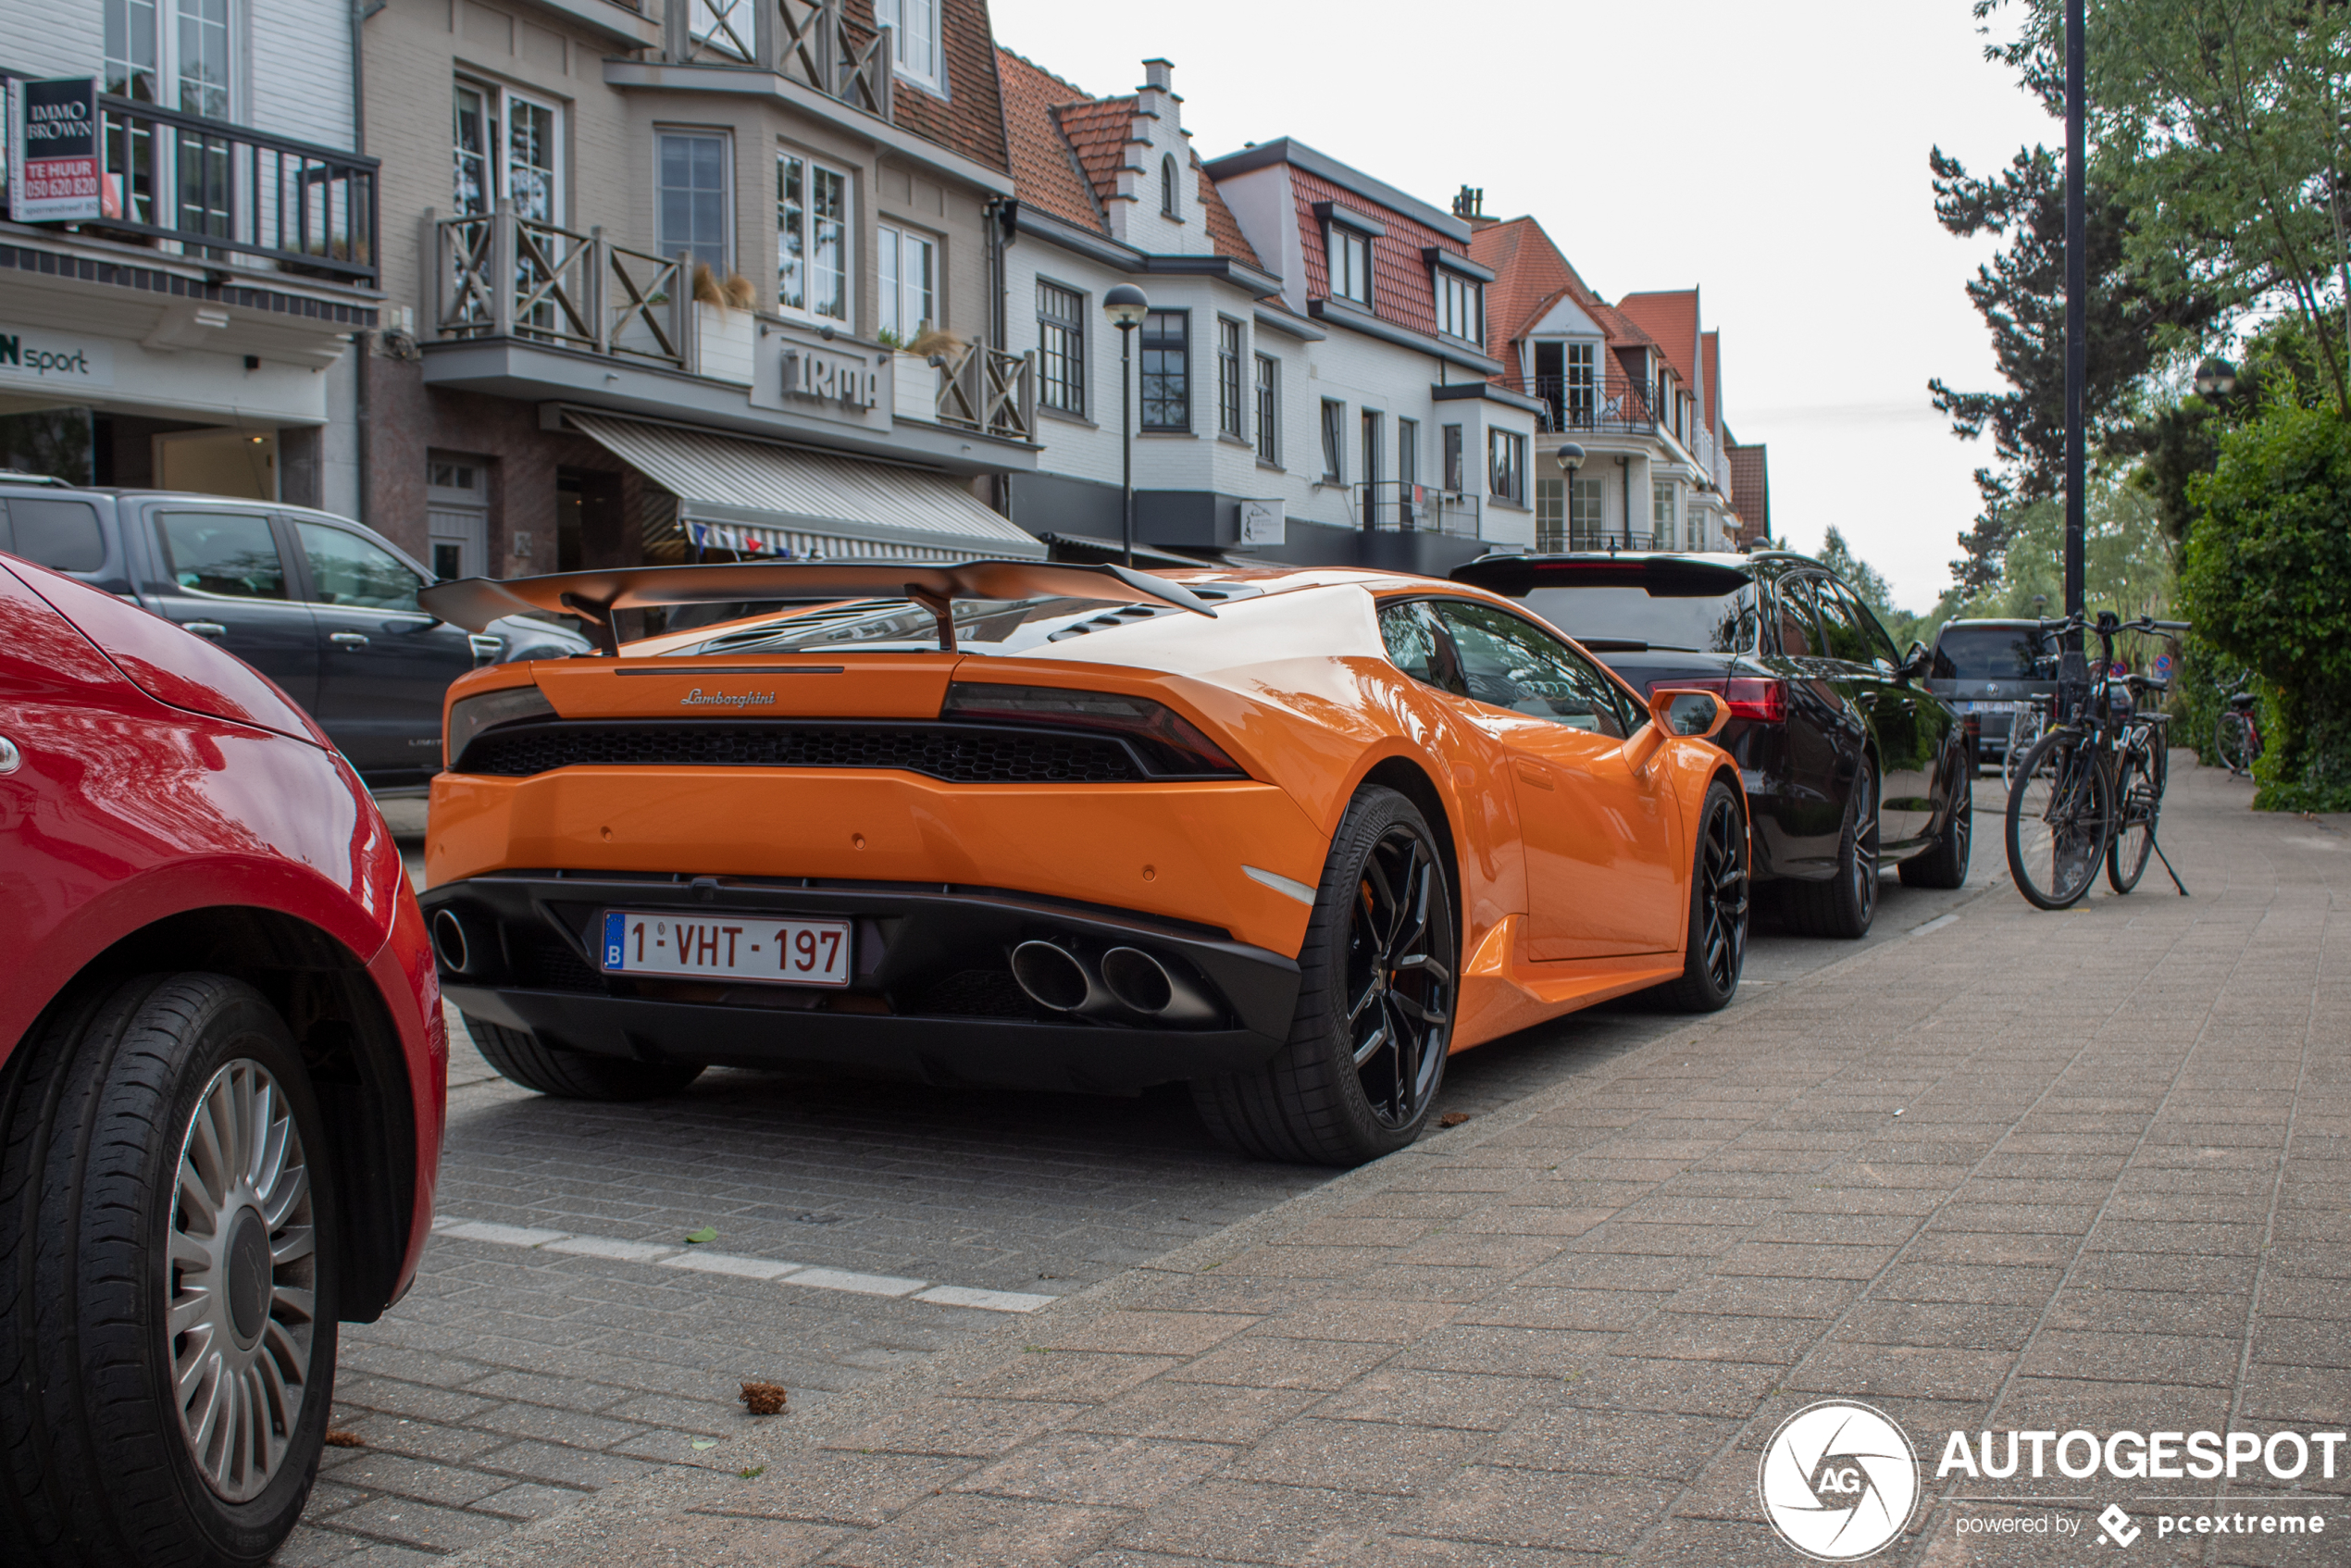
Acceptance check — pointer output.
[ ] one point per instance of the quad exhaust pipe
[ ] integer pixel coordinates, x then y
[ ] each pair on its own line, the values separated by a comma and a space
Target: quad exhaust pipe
1126, 980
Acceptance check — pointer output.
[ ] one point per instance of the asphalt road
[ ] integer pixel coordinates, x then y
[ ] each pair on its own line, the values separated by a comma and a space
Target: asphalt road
563, 1335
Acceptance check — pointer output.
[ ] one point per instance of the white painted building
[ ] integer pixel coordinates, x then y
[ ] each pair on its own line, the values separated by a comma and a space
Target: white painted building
207, 310
1310, 383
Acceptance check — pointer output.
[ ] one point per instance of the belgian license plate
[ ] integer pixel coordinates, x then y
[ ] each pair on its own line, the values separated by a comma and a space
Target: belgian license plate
792, 953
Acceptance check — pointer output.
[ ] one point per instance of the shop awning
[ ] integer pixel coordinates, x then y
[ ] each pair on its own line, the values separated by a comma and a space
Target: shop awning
790, 503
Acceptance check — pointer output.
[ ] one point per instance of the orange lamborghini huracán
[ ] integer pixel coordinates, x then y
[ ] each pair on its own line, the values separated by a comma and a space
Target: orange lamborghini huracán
1289, 834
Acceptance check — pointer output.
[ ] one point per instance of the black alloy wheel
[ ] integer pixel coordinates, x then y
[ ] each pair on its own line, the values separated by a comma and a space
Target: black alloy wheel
1845, 904
1378, 974
1715, 952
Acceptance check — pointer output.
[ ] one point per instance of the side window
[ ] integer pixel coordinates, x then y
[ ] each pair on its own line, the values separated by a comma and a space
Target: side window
1800, 638
1873, 638
1419, 647
1510, 662
1851, 632
61, 535
228, 555
346, 569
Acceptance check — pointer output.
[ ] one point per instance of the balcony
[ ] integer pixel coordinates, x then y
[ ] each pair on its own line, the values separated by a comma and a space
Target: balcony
1616, 405
811, 41
590, 314
205, 190
1393, 507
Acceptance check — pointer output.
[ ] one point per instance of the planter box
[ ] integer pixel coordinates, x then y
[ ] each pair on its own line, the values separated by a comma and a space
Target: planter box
723, 339
915, 388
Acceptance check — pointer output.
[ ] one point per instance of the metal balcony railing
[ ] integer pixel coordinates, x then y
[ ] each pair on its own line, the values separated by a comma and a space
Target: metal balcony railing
1551, 538
1393, 507
988, 390
1610, 403
499, 275
190, 185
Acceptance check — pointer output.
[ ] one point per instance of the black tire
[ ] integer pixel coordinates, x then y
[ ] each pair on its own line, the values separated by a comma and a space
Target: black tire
575, 1074
2139, 797
1844, 904
1385, 895
1714, 950
2059, 818
103, 1237
1945, 865
2232, 738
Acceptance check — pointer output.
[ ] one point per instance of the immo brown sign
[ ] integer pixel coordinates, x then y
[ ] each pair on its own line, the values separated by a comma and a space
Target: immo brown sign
54, 171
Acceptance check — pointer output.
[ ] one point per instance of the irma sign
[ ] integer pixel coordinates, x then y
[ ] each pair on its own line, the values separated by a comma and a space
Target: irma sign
53, 173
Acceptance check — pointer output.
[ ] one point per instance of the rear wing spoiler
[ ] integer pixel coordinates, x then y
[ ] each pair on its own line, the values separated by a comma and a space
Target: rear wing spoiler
598, 597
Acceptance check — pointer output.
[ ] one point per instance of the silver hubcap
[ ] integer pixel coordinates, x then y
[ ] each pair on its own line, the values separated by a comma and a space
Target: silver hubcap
239, 1287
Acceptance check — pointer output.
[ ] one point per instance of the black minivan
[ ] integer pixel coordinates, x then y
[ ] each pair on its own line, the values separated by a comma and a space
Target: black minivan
324, 606
1850, 762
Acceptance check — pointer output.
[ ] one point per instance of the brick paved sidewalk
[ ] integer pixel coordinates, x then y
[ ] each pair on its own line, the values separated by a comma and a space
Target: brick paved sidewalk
2026, 1171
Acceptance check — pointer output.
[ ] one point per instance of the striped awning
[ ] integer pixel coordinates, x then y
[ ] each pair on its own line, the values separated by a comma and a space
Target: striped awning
758, 499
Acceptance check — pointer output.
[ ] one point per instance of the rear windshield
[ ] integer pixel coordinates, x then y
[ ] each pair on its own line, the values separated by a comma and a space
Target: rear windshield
1986, 653
1681, 615
897, 626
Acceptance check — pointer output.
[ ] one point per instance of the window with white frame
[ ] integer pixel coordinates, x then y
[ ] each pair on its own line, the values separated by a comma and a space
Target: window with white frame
509, 147
1582, 385
1551, 515
1231, 413
692, 213
907, 282
1171, 194
1506, 464
1333, 442
1461, 307
1453, 462
176, 53
723, 27
1583, 513
1664, 514
812, 239
1269, 391
1061, 347
1350, 257
914, 40
1408, 456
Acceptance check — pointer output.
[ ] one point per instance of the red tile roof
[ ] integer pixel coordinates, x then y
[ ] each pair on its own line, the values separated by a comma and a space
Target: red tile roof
971, 118
1713, 341
1531, 275
1671, 319
1403, 291
1067, 149
1751, 491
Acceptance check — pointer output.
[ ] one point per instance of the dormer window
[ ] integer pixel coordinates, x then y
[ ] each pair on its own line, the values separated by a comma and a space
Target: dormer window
1461, 307
914, 45
1171, 194
1352, 264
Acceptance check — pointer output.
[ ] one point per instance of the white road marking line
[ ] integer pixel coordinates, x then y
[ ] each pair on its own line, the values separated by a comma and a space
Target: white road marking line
1935, 925
613, 1246
730, 1262
987, 1300
702, 1261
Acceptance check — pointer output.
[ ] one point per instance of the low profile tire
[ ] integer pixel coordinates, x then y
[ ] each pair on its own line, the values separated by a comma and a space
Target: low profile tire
575, 1074
1945, 865
1715, 951
167, 1270
1846, 903
1377, 978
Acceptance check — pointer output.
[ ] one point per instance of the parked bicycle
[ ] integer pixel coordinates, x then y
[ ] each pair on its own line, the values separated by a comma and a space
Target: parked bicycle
2237, 736
2026, 730
2090, 793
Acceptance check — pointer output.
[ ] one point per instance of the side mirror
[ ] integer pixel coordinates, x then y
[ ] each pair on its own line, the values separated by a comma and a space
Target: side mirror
1689, 712
1915, 663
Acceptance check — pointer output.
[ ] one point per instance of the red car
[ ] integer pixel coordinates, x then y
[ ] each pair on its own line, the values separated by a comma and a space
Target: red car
222, 1079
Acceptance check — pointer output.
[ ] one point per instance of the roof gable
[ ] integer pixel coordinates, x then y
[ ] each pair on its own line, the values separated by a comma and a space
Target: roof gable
1671, 321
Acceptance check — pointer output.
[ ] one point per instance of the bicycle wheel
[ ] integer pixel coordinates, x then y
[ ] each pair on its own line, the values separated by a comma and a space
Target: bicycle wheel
2232, 738
2024, 733
2059, 814
2138, 789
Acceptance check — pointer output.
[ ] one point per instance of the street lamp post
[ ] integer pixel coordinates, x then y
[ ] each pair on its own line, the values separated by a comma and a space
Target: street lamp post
1126, 307
1570, 457
2073, 673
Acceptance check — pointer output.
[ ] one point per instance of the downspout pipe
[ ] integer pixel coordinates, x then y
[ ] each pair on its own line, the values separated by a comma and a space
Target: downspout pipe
361, 343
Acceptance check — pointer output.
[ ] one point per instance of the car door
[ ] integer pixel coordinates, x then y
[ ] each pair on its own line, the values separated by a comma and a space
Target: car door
1901, 716
1822, 735
383, 663
221, 573
1602, 840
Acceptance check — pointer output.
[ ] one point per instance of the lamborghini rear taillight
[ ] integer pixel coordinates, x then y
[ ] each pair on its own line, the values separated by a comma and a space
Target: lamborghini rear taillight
1172, 745
1758, 698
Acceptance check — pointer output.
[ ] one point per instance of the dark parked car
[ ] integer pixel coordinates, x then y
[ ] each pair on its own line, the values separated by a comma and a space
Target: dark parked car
320, 604
1994, 669
1850, 762
222, 1079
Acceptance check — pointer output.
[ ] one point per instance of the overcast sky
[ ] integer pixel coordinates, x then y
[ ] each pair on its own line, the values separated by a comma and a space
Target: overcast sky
1773, 155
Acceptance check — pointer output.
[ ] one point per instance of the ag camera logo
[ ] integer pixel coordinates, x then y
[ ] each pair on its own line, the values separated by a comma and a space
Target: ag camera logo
1838, 1481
